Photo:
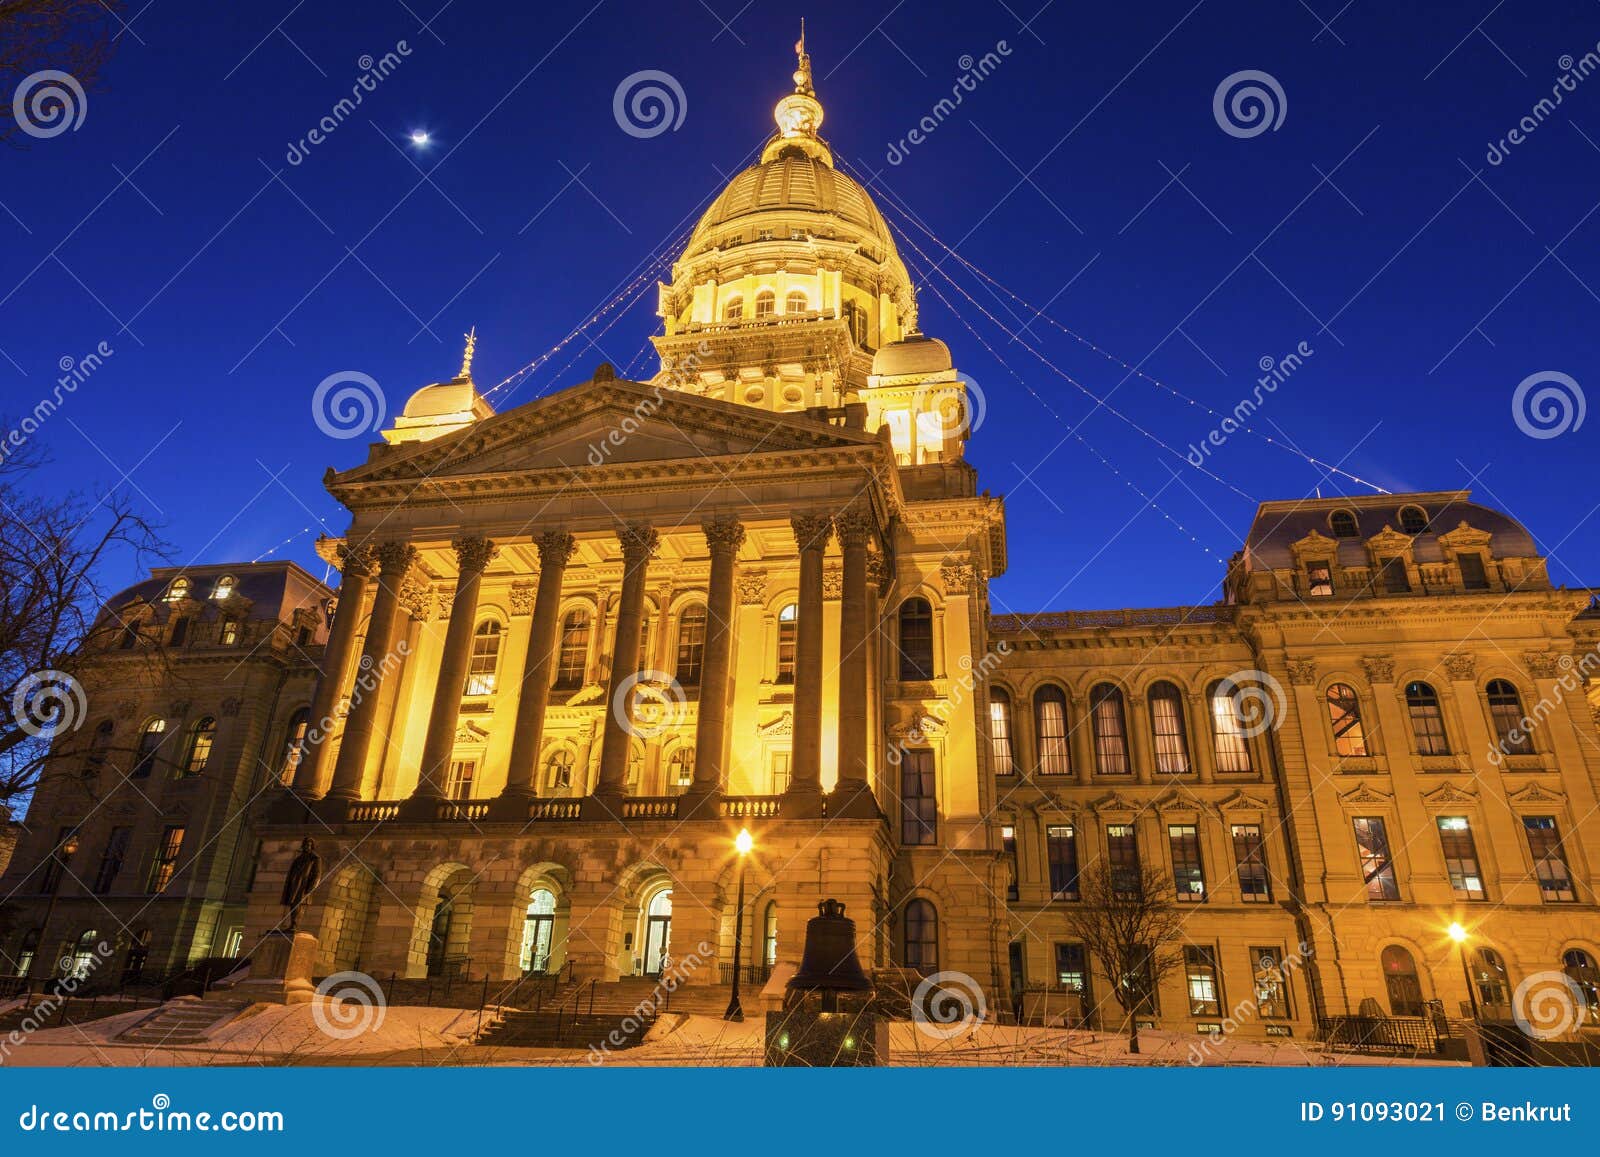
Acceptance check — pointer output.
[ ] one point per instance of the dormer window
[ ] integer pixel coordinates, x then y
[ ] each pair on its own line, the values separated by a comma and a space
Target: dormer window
1413, 519
178, 591
1319, 580
226, 585
1392, 573
1474, 576
1343, 524
228, 633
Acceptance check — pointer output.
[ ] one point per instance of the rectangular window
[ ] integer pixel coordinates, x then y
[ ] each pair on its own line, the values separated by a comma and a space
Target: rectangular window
780, 772
1205, 986
166, 865
1549, 860
1122, 853
1000, 736
1187, 871
1319, 580
1377, 865
180, 632
56, 866
1461, 857
1250, 854
1061, 843
459, 783
1008, 849
918, 805
229, 632
1392, 573
1473, 575
1272, 983
111, 860
1072, 971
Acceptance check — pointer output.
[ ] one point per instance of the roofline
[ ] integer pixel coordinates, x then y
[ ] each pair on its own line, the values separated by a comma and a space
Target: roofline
158, 572
1364, 500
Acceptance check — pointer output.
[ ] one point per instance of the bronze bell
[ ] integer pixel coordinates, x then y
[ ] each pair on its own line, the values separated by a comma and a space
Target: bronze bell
830, 964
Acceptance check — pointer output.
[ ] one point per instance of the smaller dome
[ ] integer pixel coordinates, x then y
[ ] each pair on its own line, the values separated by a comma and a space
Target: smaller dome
439, 409
442, 398
916, 353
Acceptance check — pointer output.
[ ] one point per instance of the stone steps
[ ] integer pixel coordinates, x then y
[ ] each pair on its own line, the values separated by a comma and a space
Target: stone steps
563, 1029
187, 1020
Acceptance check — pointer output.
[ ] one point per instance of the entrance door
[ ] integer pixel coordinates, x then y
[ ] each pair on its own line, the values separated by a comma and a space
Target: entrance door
658, 933
439, 937
538, 931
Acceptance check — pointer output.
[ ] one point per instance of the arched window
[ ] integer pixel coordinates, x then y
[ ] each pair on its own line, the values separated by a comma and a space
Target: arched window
787, 625
1343, 524
178, 591
485, 658
795, 302
1427, 720
1580, 969
916, 640
680, 768
1505, 713
1166, 724
733, 310
922, 937
574, 658
1228, 731
99, 745
1489, 974
129, 638
558, 768
225, 587
1000, 750
150, 739
202, 737
294, 746
1344, 713
766, 303
1400, 978
538, 930
769, 935
691, 645
1050, 723
85, 955
1413, 519
1110, 730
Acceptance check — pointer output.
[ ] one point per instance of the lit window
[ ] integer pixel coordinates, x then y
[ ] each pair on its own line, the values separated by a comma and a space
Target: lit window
1000, 752
458, 784
1505, 712
1549, 859
1250, 858
691, 646
916, 640
1061, 844
787, 626
485, 659
228, 633
1271, 982
558, 768
1494, 987
1072, 972
178, 591
166, 862
1205, 988
899, 423
1580, 970
766, 303
574, 657
225, 587
1343, 524
150, 739
1460, 857
1377, 864
294, 747
1227, 729
1050, 723
1110, 730
1319, 580
1344, 713
680, 768
1008, 852
202, 737
1166, 723
1187, 871
1427, 720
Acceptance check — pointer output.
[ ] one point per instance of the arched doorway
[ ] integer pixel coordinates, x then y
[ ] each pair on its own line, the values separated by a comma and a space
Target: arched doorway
538, 931
658, 933
443, 928
85, 955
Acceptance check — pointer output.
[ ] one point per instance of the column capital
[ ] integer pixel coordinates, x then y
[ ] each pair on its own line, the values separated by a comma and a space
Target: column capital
356, 560
555, 548
811, 531
878, 573
473, 552
854, 527
639, 542
723, 534
395, 558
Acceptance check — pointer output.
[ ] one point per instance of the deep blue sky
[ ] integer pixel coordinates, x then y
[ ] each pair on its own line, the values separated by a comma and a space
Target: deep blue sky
239, 292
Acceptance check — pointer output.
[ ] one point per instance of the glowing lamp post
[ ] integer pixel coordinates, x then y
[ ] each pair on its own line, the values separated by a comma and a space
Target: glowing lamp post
60, 856
743, 843
1459, 935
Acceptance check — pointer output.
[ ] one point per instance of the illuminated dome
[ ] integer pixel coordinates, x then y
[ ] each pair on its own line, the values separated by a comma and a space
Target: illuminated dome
801, 191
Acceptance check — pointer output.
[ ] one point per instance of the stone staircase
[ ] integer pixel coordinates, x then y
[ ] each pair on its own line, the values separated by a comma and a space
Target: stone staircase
615, 1015
184, 1021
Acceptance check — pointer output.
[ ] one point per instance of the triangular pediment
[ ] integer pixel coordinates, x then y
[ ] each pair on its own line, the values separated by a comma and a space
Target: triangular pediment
604, 424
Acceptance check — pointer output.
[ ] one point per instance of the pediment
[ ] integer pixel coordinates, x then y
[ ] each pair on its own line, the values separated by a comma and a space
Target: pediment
1448, 794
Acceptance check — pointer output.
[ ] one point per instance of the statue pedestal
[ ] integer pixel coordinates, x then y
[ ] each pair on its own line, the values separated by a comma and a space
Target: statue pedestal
280, 970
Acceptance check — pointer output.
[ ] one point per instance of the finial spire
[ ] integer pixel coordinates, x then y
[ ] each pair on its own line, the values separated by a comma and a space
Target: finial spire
802, 73
466, 356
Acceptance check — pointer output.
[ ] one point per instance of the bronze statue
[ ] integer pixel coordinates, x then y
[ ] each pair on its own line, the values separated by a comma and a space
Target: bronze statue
303, 875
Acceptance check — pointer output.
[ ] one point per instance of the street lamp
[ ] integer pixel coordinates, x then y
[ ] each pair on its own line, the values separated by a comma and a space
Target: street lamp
67, 849
743, 843
1459, 935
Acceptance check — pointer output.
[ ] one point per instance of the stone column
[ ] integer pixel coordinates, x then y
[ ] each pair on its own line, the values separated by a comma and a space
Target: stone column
311, 777
639, 543
852, 795
473, 554
1202, 737
811, 534
724, 537
394, 560
1141, 757
538, 669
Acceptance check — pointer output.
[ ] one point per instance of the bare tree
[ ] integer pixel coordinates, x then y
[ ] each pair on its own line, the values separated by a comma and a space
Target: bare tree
54, 554
71, 36
1128, 920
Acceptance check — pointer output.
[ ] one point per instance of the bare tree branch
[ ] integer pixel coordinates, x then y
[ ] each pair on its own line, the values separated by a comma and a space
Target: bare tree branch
76, 37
